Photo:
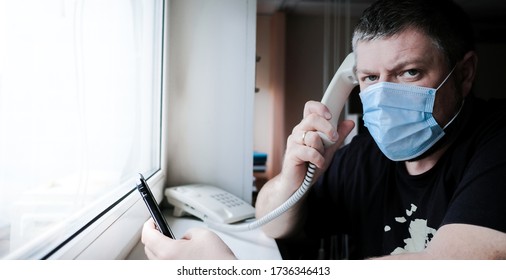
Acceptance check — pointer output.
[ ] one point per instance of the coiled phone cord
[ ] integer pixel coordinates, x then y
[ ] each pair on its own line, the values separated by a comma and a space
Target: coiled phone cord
291, 201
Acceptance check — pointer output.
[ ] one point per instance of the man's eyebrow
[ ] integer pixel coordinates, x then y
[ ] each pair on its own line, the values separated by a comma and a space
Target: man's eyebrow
363, 71
398, 65
406, 63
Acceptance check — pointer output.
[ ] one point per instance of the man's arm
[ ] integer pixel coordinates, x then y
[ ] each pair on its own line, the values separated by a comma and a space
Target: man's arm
273, 194
303, 145
461, 241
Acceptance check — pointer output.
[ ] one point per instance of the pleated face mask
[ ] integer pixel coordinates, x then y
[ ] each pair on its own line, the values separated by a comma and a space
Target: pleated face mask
399, 118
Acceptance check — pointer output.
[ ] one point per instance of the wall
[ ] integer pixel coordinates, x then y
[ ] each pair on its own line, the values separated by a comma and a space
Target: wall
269, 114
264, 103
211, 88
304, 65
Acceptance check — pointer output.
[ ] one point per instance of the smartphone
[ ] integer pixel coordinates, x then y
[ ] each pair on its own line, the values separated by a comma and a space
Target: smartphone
149, 199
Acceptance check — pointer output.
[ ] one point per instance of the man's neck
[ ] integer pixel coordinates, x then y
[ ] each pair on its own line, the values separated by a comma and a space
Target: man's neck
423, 165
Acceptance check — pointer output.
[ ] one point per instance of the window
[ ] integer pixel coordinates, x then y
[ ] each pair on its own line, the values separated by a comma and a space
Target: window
80, 114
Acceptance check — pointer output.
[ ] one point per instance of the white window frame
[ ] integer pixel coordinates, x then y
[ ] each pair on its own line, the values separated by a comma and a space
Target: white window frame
116, 232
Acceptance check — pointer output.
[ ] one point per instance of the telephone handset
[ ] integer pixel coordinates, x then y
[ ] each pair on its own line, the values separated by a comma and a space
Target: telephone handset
335, 97
340, 87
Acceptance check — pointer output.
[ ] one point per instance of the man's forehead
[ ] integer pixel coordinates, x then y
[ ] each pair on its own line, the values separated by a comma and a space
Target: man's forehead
408, 46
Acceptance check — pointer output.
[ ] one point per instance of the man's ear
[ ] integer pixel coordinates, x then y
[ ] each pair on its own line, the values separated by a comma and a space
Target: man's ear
468, 67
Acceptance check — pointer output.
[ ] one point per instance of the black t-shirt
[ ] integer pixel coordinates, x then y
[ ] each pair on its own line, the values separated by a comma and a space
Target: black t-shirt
385, 210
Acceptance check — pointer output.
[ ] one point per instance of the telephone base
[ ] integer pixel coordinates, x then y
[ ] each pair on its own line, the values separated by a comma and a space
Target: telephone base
208, 203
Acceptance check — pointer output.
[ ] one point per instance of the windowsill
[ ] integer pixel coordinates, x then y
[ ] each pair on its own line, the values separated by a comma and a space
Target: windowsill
116, 233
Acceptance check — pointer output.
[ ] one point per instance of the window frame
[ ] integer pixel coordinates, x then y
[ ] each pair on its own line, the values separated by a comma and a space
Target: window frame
115, 233
117, 229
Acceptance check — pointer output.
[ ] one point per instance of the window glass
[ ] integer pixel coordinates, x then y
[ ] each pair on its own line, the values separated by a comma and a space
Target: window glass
80, 99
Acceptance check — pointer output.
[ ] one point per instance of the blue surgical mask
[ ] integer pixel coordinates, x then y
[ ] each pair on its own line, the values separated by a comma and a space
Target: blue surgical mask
399, 118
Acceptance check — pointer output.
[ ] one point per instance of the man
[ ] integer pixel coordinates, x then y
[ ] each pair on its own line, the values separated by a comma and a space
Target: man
428, 178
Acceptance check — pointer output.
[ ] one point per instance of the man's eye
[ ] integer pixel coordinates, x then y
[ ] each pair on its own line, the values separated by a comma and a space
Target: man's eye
371, 78
410, 73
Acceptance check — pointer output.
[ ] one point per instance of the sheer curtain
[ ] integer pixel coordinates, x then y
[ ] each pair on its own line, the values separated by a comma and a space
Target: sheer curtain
80, 95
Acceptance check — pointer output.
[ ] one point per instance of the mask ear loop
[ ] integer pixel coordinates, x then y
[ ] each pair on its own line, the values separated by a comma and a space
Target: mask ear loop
461, 105
448, 76
454, 117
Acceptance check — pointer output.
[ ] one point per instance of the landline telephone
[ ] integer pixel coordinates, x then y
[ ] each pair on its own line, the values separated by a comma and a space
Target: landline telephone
200, 200
208, 202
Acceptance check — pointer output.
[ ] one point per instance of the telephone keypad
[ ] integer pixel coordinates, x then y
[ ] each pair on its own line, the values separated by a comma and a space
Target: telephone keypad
227, 199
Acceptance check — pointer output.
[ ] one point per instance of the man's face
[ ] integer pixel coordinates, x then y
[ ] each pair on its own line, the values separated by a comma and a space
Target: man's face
409, 57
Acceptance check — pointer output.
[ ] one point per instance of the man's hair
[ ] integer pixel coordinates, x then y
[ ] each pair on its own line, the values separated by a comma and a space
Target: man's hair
442, 20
